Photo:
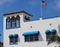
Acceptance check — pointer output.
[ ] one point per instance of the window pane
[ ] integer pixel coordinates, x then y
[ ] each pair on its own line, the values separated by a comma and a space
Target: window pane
13, 24
8, 23
17, 23
36, 37
31, 37
27, 38
48, 36
11, 41
53, 36
27, 18
16, 39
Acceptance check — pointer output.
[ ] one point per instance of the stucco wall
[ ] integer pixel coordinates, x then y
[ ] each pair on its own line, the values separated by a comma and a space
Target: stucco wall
40, 25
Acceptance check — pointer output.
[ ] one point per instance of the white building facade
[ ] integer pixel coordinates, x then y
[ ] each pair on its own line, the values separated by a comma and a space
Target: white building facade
21, 31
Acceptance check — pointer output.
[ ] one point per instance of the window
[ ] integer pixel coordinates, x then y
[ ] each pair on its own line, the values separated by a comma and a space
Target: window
51, 35
13, 39
48, 37
27, 18
52, 38
29, 38
8, 23
26, 38
13, 22
16, 37
17, 21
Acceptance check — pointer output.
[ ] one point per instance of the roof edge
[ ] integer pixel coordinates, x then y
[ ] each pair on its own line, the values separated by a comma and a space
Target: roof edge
16, 13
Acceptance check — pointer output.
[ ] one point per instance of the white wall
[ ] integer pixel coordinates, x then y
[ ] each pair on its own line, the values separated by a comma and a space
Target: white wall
40, 25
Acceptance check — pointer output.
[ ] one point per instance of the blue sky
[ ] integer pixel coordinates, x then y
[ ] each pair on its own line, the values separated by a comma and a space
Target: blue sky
52, 9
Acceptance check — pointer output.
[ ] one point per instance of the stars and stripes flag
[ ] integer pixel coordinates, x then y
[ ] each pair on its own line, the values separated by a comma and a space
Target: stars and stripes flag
44, 3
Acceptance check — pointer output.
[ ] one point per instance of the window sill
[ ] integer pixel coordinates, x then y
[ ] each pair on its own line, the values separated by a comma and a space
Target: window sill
14, 43
12, 28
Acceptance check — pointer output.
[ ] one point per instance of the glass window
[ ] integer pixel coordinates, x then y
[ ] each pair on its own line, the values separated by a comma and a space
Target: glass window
29, 38
13, 22
27, 18
51, 37
48, 37
26, 38
17, 21
36, 37
16, 38
13, 40
8, 23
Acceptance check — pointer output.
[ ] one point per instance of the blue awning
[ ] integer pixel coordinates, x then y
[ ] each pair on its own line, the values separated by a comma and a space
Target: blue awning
30, 33
15, 35
47, 31
10, 36
53, 31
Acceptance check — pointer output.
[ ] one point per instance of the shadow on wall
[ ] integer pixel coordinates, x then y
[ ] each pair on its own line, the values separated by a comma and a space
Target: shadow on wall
40, 37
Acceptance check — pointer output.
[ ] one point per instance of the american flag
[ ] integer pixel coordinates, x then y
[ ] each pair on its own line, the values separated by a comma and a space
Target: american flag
44, 3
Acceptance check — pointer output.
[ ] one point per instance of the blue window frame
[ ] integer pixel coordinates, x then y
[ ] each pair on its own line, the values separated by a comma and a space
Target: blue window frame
8, 23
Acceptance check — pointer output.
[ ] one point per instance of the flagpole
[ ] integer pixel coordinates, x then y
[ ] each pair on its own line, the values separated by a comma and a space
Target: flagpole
43, 4
41, 11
